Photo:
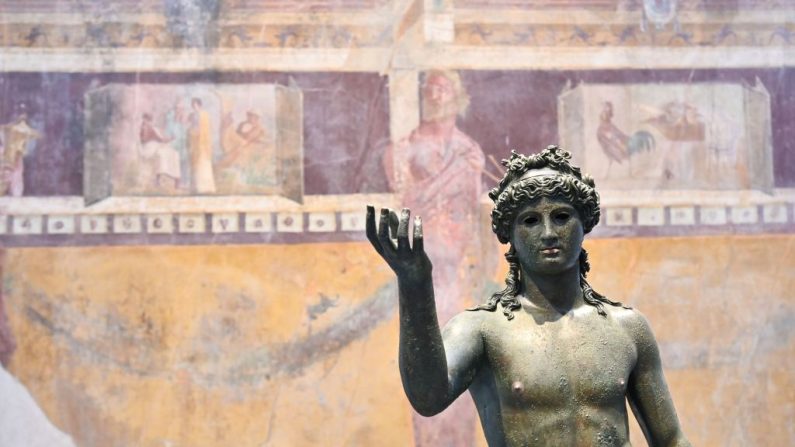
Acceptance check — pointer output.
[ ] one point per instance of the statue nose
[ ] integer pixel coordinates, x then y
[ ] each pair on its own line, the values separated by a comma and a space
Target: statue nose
549, 234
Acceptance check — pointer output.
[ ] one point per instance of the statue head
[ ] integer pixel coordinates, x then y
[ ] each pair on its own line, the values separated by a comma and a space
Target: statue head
547, 174
529, 178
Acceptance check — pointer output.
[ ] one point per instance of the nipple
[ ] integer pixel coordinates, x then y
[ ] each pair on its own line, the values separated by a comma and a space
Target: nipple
517, 387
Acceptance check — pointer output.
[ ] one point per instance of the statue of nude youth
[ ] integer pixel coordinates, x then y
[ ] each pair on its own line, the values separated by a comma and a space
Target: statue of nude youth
555, 366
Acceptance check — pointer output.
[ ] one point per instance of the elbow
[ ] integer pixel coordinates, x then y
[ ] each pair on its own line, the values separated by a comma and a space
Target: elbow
427, 403
425, 411
427, 393
426, 408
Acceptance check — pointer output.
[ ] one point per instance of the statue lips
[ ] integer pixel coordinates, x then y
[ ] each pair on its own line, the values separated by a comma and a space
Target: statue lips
552, 254
550, 251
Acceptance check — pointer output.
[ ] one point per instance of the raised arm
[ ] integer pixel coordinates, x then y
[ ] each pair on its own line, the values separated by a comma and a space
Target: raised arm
648, 393
435, 368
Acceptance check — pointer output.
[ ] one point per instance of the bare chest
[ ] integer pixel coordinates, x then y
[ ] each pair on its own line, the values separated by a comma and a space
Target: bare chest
560, 363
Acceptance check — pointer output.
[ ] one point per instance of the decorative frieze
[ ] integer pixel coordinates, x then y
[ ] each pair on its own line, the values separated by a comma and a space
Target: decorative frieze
682, 215
348, 224
27, 224
160, 223
258, 222
115, 35
191, 223
602, 35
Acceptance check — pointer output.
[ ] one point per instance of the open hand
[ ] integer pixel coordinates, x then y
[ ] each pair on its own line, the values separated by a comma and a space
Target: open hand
408, 261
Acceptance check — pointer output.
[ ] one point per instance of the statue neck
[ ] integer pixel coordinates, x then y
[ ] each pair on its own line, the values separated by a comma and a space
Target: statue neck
559, 292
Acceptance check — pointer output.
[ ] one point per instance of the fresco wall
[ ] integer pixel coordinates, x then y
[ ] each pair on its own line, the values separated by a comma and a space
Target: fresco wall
194, 273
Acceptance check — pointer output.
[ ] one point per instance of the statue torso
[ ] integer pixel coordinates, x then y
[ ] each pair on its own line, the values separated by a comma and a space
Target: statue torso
557, 381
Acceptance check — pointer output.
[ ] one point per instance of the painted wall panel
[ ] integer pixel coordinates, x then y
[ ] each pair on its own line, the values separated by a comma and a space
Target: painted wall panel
260, 316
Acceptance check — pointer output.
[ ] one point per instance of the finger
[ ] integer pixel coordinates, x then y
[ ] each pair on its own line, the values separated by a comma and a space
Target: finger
419, 244
394, 221
372, 236
403, 231
383, 232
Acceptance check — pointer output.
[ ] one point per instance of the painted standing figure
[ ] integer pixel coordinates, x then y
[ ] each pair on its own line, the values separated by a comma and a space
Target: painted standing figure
156, 148
556, 365
176, 130
16, 136
437, 172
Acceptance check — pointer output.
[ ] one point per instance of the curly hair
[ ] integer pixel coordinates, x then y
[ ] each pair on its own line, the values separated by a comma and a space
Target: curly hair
517, 189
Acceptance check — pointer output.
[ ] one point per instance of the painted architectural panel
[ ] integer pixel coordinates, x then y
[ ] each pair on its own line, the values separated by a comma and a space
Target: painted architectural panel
194, 140
674, 136
342, 117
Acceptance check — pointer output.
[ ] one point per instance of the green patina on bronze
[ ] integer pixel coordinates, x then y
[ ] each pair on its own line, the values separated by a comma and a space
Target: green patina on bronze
516, 189
561, 367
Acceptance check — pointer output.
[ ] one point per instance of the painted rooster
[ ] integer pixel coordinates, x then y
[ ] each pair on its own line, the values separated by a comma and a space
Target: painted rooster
617, 145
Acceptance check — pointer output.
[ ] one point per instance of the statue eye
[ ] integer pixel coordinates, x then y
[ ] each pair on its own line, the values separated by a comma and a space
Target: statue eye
531, 220
562, 216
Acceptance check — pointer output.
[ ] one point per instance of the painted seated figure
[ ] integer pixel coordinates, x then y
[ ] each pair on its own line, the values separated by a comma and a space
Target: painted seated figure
548, 360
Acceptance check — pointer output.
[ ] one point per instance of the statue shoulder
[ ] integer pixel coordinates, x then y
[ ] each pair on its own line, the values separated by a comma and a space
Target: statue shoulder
466, 321
634, 323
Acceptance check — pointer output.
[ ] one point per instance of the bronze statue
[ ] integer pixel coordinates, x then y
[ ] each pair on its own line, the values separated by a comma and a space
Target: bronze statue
555, 366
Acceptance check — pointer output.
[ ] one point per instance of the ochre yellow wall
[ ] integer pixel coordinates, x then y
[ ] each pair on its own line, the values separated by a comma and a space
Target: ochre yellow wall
147, 345
270, 346
723, 314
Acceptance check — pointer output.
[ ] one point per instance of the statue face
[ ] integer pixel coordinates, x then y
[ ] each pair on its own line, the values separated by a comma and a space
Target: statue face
547, 235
